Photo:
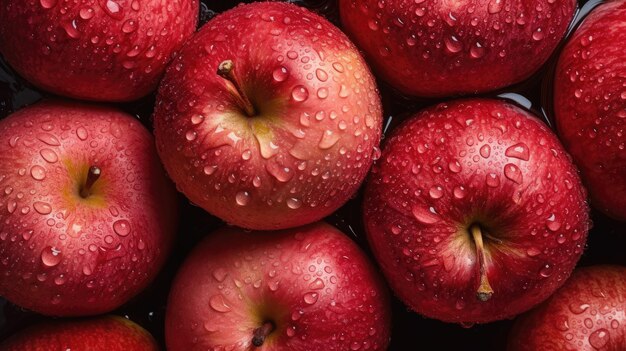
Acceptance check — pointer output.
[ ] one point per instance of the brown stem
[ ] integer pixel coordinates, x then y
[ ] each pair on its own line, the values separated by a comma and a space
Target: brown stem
484, 291
92, 175
261, 333
226, 70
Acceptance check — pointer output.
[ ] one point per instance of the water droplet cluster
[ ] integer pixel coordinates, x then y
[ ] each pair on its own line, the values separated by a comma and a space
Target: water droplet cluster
315, 274
125, 44
482, 162
590, 105
438, 48
88, 254
314, 135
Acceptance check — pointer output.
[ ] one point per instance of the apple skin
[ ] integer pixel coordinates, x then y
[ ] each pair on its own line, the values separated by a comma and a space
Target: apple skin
590, 105
587, 313
443, 48
105, 50
313, 282
474, 162
317, 127
65, 255
108, 333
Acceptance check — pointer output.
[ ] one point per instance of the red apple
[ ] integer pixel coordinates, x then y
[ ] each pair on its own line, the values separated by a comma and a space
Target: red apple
269, 118
86, 213
105, 50
475, 212
302, 289
587, 313
109, 333
590, 104
443, 48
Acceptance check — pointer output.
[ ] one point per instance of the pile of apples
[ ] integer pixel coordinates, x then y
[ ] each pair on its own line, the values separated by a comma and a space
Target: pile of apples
197, 175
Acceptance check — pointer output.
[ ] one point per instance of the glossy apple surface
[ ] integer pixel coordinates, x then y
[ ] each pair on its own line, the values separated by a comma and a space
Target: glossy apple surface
444, 48
302, 144
588, 313
105, 50
590, 104
475, 212
109, 333
310, 287
65, 248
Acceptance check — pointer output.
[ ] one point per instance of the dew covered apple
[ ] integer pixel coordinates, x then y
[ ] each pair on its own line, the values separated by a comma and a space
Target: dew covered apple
302, 289
108, 333
588, 313
105, 50
590, 104
475, 212
86, 212
269, 118
443, 48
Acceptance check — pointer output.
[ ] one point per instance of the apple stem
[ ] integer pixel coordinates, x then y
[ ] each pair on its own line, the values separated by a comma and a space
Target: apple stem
261, 333
92, 175
226, 70
484, 291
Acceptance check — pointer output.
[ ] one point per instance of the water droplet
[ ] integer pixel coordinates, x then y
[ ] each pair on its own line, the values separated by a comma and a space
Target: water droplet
477, 50
86, 13
48, 4
321, 75
578, 308
299, 93
513, 173
242, 198
561, 323
317, 284
436, 192
533, 251
220, 274
492, 180
459, 192
49, 155
615, 324
191, 135
546, 271
310, 298
42, 207
322, 93
425, 215
519, 151
599, 338
48, 139
294, 203
112, 9
81, 133
121, 227
51, 256
343, 91
337, 66
453, 44
129, 26
494, 6
38, 172
280, 74
552, 223
485, 151
219, 303
328, 140
538, 34
454, 166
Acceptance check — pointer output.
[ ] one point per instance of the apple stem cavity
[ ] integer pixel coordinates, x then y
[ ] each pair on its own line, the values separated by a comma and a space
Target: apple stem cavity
261, 333
484, 291
226, 70
92, 176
